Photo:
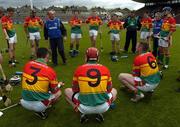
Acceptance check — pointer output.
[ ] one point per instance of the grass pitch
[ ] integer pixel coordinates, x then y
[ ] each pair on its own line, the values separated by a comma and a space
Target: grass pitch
162, 110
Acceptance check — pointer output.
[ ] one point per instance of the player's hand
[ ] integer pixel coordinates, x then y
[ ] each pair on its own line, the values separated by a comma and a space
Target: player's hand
60, 84
27, 36
65, 38
7, 37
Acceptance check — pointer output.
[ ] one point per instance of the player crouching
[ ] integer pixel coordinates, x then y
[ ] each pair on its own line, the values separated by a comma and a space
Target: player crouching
146, 76
39, 84
91, 91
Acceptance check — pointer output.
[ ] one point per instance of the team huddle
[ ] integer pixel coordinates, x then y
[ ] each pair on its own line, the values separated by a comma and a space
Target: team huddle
92, 90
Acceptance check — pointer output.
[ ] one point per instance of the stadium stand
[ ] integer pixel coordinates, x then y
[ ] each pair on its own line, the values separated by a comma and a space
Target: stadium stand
153, 6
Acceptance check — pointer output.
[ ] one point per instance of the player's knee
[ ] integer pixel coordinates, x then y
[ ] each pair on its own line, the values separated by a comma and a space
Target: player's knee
11, 49
121, 76
67, 91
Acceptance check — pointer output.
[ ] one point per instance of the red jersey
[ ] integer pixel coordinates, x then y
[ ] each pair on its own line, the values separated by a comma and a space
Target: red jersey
38, 79
146, 24
169, 24
33, 23
146, 67
75, 21
7, 23
115, 26
94, 22
93, 82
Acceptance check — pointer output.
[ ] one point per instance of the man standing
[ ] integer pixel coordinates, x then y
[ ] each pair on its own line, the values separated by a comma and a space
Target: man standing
115, 26
10, 35
91, 91
76, 33
146, 28
95, 23
32, 26
146, 76
55, 31
165, 41
39, 84
157, 23
132, 24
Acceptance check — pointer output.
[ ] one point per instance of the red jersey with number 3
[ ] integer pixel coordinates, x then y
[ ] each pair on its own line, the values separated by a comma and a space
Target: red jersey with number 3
93, 82
38, 79
146, 67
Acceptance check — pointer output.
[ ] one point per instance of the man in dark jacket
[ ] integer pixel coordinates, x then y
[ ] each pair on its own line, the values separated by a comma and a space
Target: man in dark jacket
55, 31
132, 24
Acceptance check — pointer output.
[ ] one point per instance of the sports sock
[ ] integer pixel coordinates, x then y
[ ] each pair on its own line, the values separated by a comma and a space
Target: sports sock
71, 46
167, 60
161, 58
77, 46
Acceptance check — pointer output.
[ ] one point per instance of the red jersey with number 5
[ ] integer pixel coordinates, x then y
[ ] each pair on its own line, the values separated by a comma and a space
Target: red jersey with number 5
93, 82
38, 79
146, 67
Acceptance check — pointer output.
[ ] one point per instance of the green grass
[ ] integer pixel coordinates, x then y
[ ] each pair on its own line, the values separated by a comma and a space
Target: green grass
162, 110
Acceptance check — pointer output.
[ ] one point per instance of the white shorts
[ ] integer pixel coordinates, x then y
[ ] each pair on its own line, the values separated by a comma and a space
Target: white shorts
144, 35
147, 87
36, 106
13, 40
114, 37
163, 43
93, 33
93, 110
76, 36
34, 36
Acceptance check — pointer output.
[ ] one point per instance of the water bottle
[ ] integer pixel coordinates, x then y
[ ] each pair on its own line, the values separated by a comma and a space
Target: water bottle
18, 73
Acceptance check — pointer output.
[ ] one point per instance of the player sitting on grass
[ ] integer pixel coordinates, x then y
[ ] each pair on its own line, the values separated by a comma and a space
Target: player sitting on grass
10, 35
76, 33
146, 75
165, 41
95, 22
39, 85
115, 26
91, 91
32, 25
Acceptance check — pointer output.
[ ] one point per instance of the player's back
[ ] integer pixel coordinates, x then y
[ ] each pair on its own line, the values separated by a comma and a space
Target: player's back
148, 66
35, 81
94, 82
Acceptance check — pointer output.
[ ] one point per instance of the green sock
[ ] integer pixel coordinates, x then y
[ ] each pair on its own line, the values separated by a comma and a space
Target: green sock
139, 92
161, 57
166, 60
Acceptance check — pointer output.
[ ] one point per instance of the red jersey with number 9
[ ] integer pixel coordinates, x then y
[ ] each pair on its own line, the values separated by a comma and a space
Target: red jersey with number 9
38, 79
93, 82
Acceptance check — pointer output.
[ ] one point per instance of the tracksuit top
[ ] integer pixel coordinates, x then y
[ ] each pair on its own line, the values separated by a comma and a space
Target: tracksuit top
53, 28
157, 26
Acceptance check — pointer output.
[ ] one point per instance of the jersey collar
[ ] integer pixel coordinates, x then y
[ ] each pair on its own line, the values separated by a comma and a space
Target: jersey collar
92, 62
41, 60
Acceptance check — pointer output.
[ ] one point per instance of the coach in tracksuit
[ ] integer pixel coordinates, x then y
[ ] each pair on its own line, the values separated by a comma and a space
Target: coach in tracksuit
55, 31
132, 24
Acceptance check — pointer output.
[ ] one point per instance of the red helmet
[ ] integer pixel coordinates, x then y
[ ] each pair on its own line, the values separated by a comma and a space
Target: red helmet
92, 53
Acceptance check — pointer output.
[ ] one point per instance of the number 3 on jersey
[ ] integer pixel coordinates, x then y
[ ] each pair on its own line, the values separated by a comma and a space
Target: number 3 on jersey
34, 75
